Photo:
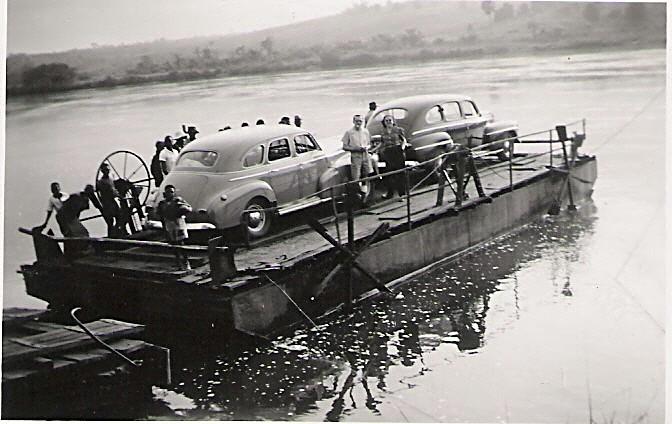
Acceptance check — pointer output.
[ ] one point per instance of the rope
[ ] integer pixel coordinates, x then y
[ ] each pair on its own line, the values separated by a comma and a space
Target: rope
291, 300
636, 247
630, 121
98, 340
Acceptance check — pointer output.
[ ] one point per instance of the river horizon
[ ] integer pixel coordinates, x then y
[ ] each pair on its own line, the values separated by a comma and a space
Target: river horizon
541, 325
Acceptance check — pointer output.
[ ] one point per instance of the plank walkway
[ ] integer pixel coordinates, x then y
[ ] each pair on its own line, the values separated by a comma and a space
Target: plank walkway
286, 248
284, 252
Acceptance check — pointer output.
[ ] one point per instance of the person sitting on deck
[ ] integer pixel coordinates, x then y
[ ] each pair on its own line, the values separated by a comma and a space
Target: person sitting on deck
55, 203
172, 210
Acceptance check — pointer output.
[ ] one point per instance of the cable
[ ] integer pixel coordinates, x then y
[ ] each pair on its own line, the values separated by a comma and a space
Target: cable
630, 121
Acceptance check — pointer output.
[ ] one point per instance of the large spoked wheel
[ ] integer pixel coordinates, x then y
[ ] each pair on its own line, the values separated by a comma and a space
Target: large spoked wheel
258, 218
128, 166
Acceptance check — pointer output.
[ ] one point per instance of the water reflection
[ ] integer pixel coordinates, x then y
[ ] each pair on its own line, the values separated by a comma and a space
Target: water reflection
353, 363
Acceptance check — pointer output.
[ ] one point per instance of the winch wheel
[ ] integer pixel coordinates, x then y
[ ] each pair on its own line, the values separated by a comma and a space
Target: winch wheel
128, 166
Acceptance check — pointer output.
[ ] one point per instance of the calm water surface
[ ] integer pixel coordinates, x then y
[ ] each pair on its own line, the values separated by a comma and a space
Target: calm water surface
559, 322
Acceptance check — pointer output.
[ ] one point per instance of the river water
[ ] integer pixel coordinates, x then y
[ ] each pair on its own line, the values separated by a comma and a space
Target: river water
561, 321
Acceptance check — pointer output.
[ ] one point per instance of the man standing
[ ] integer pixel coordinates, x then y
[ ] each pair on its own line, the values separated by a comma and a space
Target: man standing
156, 164
357, 141
168, 156
172, 210
55, 204
107, 195
369, 114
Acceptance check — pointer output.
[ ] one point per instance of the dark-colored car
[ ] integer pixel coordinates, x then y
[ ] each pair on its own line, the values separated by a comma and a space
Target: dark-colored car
434, 122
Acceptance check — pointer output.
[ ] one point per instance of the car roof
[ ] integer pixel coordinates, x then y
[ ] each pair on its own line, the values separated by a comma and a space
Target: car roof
413, 102
241, 139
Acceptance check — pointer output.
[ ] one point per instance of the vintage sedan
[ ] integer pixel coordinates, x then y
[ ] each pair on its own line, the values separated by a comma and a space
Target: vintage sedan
262, 170
434, 122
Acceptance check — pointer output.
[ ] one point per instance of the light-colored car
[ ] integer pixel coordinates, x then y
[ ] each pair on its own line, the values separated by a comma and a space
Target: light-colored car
434, 122
254, 169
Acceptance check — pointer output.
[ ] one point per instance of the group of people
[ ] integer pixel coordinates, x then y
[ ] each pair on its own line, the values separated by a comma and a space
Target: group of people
390, 148
167, 151
285, 120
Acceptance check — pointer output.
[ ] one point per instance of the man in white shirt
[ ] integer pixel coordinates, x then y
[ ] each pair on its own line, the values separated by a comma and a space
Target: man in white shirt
55, 203
168, 156
357, 141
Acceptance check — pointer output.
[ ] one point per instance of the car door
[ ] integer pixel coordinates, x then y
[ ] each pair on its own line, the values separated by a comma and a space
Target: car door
284, 171
475, 122
313, 163
456, 126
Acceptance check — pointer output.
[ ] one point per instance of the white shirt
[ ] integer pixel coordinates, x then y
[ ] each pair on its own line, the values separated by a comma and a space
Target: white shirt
56, 204
356, 139
169, 157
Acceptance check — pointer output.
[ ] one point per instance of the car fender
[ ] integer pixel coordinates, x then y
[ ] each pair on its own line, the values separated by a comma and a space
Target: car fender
226, 209
428, 146
498, 127
337, 173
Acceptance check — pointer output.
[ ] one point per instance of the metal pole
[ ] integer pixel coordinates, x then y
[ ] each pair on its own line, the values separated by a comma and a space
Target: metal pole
408, 198
510, 172
350, 188
550, 146
335, 211
442, 182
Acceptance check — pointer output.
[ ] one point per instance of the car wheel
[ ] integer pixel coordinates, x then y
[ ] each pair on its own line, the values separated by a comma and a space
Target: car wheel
507, 153
258, 218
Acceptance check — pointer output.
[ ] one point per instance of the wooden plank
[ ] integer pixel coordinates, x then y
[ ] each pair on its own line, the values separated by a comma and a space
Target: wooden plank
136, 267
10, 315
64, 339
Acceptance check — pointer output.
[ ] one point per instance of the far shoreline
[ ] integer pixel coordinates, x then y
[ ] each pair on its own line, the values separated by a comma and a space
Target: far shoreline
585, 47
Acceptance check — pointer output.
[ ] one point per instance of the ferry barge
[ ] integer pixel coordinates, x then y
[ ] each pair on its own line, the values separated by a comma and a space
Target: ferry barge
308, 272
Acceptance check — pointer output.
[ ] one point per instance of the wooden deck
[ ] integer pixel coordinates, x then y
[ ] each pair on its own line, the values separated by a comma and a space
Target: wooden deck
283, 249
46, 366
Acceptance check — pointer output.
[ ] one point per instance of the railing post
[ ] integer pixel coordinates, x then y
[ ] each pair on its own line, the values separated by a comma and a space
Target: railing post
351, 192
407, 182
550, 147
510, 172
562, 137
335, 211
442, 181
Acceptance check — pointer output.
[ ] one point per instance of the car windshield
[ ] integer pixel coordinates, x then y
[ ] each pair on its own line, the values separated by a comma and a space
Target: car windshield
197, 159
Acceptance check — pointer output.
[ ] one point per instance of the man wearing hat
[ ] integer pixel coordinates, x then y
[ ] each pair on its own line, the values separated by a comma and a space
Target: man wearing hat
297, 120
191, 131
372, 108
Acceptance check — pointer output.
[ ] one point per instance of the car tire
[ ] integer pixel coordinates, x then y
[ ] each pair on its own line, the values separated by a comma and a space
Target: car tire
258, 223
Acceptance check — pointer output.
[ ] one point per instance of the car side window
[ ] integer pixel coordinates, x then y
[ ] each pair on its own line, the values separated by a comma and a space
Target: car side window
304, 143
278, 149
397, 114
451, 111
434, 115
469, 109
254, 156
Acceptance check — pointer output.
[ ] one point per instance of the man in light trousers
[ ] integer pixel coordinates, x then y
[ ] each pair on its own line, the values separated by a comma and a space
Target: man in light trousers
357, 141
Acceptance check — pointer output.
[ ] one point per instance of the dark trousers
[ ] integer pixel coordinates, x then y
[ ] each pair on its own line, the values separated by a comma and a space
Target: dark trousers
394, 160
464, 165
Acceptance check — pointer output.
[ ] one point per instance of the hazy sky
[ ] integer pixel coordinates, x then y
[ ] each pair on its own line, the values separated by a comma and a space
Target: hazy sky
35, 26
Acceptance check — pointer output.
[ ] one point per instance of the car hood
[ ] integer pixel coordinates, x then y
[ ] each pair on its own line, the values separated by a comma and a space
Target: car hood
188, 186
